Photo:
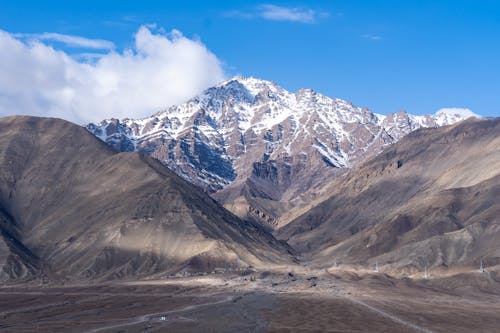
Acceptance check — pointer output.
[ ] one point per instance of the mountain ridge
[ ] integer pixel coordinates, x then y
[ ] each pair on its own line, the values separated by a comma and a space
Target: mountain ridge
262, 140
72, 208
426, 201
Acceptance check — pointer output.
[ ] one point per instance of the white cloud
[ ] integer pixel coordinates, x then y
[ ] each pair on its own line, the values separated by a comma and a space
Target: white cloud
372, 37
160, 70
75, 41
279, 13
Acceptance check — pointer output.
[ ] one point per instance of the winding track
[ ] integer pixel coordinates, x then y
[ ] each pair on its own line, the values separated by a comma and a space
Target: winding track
149, 316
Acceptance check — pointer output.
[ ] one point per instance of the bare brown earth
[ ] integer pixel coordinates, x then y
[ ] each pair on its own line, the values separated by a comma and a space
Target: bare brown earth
431, 199
73, 209
258, 145
287, 300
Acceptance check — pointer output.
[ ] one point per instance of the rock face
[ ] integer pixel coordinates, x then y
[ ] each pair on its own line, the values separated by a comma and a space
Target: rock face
259, 146
429, 200
72, 208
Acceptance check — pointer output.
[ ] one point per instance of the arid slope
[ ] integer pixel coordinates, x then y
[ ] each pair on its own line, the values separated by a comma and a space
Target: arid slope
70, 207
429, 200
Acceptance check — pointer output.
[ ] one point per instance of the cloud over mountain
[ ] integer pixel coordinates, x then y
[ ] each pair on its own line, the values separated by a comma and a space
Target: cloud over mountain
160, 69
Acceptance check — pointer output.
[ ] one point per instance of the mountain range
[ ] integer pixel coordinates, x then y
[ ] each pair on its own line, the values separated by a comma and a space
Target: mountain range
260, 149
247, 175
71, 208
430, 200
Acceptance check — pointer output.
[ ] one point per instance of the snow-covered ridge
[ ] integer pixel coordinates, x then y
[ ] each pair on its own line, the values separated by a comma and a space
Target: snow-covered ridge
453, 115
216, 137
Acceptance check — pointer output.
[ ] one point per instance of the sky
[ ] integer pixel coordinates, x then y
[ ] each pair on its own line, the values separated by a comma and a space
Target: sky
90, 60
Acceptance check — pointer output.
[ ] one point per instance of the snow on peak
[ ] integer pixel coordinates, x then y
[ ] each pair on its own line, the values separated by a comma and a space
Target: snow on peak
452, 115
246, 117
457, 112
252, 84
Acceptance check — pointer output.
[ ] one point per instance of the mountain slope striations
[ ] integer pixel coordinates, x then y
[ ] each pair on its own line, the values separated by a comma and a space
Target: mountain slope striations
259, 146
73, 208
429, 200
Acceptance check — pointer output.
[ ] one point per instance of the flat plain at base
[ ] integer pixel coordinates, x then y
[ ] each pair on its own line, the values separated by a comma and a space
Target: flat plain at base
237, 305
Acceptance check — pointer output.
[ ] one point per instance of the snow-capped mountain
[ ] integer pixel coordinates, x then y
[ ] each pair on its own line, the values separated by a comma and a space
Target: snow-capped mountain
250, 129
448, 116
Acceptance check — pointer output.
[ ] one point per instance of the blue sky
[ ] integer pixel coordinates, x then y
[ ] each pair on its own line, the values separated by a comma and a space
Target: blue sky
387, 55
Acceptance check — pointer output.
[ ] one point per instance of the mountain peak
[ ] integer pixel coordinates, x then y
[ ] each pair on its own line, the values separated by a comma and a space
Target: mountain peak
215, 138
134, 217
252, 84
453, 115
462, 112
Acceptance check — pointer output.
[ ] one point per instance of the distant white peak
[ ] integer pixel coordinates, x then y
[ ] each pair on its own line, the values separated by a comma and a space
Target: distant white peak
448, 116
456, 113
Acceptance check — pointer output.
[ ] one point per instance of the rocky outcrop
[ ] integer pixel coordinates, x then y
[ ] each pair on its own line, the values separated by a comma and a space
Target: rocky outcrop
252, 133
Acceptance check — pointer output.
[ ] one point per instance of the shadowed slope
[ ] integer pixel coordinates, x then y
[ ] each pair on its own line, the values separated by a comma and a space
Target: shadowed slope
86, 211
262, 150
430, 199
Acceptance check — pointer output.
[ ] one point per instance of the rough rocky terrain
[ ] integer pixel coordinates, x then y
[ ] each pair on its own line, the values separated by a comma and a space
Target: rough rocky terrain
261, 148
71, 208
429, 200
92, 240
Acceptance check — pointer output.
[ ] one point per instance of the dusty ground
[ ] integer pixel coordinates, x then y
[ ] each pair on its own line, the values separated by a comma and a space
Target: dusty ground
305, 301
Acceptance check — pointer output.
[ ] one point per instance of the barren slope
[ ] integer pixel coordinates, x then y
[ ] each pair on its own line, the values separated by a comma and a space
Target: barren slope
73, 208
429, 200
261, 147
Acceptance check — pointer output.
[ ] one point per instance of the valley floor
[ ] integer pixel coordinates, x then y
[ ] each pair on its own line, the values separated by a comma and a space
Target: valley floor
334, 301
